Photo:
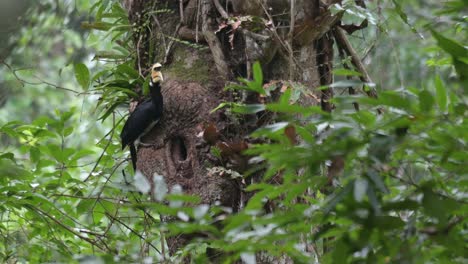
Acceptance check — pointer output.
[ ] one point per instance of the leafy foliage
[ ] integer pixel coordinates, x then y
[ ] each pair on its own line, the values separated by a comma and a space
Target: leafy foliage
355, 186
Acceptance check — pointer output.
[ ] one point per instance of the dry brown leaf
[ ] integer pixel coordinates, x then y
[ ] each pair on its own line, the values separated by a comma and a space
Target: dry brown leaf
290, 132
211, 133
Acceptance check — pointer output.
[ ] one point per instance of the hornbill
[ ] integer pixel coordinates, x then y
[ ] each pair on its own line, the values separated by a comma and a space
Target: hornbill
145, 116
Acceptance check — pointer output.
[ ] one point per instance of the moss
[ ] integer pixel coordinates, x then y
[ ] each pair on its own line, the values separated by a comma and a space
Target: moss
188, 66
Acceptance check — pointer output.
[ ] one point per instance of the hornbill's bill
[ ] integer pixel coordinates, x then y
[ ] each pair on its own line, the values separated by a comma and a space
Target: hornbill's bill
145, 116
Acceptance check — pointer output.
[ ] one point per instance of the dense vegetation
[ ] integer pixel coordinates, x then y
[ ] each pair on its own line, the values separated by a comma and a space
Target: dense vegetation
399, 195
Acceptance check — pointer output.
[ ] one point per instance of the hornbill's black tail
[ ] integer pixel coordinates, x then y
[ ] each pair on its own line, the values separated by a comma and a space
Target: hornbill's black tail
133, 155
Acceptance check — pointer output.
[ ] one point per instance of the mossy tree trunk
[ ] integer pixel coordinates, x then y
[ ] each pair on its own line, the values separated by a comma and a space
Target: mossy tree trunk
201, 51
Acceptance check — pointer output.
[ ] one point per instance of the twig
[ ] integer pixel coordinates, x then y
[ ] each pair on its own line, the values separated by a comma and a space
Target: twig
109, 199
171, 42
90, 241
419, 187
433, 230
132, 230
181, 10
103, 151
351, 89
255, 36
273, 26
22, 81
275, 33
197, 21
138, 55
155, 18
167, 51
290, 40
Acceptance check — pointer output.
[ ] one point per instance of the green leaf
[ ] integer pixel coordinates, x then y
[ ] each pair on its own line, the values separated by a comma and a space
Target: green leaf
295, 109
104, 26
10, 170
34, 154
129, 71
403, 16
8, 155
377, 180
337, 197
258, 75
360, 189
68, 131
221, 106
426, 101
82, 75
56, 152
105, 54
247, 109
346, 72
249, 86
437, 206
346, 84
401, 205
450, 46
146, 87
285, 97
394, 99
386, 222
270, 128
441, 94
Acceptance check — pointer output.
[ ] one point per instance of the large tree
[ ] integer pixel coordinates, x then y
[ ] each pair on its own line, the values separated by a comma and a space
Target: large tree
204, 45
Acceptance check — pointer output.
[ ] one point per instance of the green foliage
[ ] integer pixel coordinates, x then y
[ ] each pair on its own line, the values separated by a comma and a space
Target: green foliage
82, 75
458, 52
254, 86
357, 187
398, 198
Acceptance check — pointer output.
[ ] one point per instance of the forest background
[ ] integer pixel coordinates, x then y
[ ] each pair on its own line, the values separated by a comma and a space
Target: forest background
67, 191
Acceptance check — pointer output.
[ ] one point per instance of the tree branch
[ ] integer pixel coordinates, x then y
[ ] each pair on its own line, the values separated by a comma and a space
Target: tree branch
251, 34
290, 39
343, 42
13, 71
213, 42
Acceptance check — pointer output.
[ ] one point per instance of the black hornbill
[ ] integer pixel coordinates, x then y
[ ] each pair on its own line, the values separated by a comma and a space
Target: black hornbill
145, 116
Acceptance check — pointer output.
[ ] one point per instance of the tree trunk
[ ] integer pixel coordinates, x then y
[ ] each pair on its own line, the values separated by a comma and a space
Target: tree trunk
197, 62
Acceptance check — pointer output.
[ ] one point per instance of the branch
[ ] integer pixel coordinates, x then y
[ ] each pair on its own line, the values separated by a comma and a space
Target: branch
132, 230
105, 148
185, 33
171, 43
433, 230
213, 42
344, 43
13, 71
351, 89
290, 40
220, 9
251, 34
181, 10
314, 29
69, 229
